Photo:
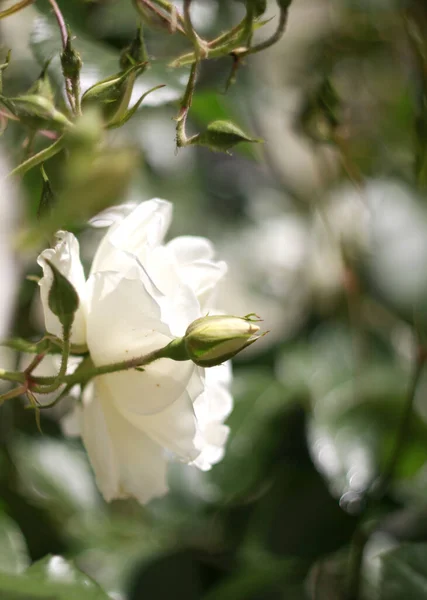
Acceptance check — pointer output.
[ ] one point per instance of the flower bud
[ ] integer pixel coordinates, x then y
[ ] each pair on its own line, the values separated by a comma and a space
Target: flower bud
135, 53
71, 61
211, 340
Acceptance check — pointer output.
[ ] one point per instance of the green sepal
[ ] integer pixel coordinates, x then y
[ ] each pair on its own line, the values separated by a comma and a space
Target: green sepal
35, 111
63, 299
130, 112
176, 350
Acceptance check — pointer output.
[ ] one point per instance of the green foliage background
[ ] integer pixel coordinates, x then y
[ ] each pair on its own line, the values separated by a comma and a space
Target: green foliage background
293, 511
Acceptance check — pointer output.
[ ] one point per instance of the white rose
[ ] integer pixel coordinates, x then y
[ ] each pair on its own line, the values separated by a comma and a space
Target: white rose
140, 294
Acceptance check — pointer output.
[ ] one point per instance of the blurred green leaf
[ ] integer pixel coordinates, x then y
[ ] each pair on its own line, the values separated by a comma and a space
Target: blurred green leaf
258, 425
404, 573
48, 579
57, 477
13, 550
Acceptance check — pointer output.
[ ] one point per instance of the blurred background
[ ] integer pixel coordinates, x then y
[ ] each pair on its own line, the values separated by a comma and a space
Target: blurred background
324, 228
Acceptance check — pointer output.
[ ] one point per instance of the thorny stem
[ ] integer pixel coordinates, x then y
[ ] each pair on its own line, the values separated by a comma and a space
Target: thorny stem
281, 28
12, 376
84, 375
66, 346
225, 37
181, 136
15, 8
169, 9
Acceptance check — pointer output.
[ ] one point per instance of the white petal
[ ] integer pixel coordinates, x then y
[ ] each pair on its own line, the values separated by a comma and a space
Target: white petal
222, 374
123, 323
174, 428
211, 442
144, 228
202, 277
66, 257
99, 444
195, 265
123, 319
126, 462
214, 404
188, 248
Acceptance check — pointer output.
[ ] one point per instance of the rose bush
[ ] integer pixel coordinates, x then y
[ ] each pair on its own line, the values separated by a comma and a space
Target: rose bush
141, 294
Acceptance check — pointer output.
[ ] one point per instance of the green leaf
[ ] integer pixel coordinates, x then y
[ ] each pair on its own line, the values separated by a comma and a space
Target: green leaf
13, 550
52, 578
404, 573
63, 299
222, 135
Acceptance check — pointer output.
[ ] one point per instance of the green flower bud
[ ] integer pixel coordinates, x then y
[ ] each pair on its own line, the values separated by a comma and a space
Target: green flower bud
70, 61
258, 7
211, 340
135, 53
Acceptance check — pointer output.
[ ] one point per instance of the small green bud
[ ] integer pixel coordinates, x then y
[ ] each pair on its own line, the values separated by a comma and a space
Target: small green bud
135, 53
255, 7
222, 135
211, 340
63, 299
70, 61
258, 6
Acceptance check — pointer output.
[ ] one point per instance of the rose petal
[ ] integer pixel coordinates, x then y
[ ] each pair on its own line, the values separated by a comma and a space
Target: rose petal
144, 228
123, 323
195, 265
125, 460
174, 428
211, 442
188, 248
123, 319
